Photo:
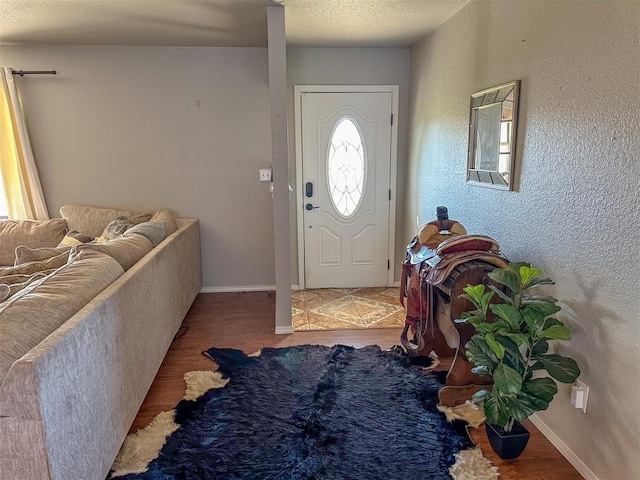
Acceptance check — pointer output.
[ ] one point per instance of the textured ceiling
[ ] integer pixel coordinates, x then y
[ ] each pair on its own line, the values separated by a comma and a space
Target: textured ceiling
344, 23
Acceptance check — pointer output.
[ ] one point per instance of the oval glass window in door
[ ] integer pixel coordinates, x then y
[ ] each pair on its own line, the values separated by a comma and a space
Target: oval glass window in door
346, 166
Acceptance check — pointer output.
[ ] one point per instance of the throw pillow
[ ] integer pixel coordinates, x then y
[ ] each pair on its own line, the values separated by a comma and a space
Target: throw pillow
166, 217
73, 238
125, 250
156, 232
25, 254
115, 228
33, 267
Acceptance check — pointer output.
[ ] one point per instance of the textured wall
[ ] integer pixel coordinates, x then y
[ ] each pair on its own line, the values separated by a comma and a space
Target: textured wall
352, 66
184, 128
575, 210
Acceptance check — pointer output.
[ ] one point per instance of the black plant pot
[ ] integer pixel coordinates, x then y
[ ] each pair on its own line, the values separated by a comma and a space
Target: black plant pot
508, 445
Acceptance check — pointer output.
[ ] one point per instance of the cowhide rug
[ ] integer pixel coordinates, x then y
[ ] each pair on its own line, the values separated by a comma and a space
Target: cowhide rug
305, 412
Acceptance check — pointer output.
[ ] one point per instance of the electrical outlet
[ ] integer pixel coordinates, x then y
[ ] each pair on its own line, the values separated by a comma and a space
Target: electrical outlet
265, 174
580, 395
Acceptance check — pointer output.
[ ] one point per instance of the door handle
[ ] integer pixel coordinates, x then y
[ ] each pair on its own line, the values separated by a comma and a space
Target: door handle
308, 206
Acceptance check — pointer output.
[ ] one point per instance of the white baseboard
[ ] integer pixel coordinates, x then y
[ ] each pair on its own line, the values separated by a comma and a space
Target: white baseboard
245, 288
396, 284
562, 447
284, 330
295, 287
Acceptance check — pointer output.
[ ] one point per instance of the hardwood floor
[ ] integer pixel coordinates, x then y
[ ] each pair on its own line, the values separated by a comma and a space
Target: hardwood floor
246, 321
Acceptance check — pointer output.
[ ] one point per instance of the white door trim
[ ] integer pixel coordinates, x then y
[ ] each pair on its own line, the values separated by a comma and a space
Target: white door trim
298, 90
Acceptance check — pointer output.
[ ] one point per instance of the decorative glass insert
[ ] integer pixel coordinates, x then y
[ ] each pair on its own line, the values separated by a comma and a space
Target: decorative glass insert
346, 166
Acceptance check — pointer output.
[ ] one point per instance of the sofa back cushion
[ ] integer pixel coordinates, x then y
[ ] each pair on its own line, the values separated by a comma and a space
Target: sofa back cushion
125, 250
92, 221
34, 313
32, 233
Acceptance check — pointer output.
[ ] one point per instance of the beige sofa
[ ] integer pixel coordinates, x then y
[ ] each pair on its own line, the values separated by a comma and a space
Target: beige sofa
66, 405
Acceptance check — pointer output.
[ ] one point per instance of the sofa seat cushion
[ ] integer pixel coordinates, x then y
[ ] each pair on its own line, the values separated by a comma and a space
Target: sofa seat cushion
32, 314
127, 250
92, 221
32, 233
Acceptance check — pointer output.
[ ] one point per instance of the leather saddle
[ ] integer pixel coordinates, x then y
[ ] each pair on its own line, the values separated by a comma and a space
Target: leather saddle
434, 262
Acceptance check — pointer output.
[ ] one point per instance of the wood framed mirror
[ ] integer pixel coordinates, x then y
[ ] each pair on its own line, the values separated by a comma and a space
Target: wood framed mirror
492, 136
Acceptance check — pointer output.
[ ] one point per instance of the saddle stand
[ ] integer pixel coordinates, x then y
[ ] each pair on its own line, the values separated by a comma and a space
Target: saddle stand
441, 260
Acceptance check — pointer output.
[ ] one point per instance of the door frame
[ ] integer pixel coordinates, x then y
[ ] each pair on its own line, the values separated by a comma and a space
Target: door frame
299, 90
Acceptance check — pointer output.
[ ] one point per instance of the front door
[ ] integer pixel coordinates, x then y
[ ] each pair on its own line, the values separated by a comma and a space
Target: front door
346, 171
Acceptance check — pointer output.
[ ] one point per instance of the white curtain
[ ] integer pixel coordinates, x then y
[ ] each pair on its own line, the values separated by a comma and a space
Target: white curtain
22, 188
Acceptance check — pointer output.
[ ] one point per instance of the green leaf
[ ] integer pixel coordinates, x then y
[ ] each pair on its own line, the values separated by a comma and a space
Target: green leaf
536, 282
497, 348
485, 327
541, 347
515, 268
529, 404
517, 363
534, 318
484, 301
544, 303
474, 293
509, 345
518, 338
536, 394
556, 332
479, 353
507, 380
495, 409
537, 366
550, 322
505, 277
561, 368
528, 273
519, 407
479, 396
509, 313
481, 370
543, 388
501, 294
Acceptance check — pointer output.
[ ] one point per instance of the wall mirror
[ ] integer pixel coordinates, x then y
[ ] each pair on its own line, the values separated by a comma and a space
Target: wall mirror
492, 136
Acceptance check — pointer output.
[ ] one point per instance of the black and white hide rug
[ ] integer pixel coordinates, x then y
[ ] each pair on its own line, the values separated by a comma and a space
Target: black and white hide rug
304, 412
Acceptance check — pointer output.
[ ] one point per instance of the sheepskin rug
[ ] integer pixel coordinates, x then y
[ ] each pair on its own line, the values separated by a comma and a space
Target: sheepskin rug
304, 412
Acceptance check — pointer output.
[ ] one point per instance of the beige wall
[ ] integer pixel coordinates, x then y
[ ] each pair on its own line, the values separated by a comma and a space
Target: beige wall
146, 127
351, 66
575, 211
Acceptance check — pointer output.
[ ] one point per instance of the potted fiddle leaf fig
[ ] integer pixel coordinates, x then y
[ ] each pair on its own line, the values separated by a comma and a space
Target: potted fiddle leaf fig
511, 345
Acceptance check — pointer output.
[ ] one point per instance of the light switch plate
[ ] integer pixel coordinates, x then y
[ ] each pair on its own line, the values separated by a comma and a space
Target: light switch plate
265, 174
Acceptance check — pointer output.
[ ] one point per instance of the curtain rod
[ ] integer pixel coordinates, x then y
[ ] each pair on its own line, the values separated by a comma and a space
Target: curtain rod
22, 73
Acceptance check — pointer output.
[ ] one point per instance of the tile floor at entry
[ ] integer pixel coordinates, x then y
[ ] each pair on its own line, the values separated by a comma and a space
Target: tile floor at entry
342, 308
